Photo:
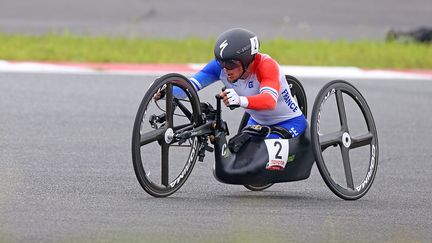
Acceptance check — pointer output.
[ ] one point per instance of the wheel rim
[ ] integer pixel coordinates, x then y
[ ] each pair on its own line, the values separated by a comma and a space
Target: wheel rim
161, 163
355, 183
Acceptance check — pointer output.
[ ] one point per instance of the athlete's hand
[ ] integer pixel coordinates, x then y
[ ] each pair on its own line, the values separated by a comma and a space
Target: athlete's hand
231, 98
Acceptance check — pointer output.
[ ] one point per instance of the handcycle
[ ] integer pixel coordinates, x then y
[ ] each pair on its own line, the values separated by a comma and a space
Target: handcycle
171, 134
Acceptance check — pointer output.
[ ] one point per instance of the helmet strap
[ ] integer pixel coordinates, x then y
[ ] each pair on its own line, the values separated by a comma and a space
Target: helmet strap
245, 68
241, 75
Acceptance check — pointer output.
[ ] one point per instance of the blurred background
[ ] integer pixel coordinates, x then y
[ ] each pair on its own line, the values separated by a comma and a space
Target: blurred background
293, 19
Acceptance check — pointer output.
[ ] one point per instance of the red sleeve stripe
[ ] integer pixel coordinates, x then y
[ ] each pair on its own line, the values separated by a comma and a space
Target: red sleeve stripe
270, 91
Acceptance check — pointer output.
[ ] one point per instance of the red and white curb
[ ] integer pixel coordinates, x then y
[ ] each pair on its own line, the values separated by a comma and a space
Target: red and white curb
189, 69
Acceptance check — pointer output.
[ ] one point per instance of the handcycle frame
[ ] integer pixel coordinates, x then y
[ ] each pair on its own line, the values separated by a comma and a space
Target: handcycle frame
207, 124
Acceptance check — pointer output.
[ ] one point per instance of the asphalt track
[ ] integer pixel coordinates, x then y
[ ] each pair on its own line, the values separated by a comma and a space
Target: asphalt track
66, 172
296, 19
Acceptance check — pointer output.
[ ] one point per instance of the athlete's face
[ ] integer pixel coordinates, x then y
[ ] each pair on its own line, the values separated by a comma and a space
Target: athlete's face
232, 68
233, 74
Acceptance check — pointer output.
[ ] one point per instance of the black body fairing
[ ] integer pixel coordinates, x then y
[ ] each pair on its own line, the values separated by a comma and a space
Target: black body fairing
248, 164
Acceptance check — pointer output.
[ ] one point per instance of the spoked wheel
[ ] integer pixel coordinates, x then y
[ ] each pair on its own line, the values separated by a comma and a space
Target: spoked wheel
344, 140
163, 162
299, 95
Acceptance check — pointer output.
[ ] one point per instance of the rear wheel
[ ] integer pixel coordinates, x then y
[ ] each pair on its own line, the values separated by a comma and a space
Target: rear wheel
162, 162
344, 140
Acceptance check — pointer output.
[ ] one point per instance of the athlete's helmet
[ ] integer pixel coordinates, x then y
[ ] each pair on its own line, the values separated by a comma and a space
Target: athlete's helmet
236, 44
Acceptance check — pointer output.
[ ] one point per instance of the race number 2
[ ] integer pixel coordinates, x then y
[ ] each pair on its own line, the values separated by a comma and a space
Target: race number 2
278, 150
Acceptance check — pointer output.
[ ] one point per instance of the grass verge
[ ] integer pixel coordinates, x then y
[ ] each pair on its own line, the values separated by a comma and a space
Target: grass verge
74, 48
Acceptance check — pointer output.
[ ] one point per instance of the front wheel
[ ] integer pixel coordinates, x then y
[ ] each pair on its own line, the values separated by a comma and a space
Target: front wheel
162, 163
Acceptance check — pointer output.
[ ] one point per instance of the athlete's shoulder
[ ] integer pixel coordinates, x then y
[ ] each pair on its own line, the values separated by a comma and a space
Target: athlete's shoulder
264, 64
262, 58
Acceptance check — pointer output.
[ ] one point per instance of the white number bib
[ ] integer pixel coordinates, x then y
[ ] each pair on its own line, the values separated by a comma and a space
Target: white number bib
278, 150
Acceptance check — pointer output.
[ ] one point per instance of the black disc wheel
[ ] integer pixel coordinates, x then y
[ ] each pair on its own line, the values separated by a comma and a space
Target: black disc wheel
162, 161
344, 140
299, 95
258, 187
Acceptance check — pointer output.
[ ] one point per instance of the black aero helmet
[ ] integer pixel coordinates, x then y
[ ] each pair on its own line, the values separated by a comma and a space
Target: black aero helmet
237, 44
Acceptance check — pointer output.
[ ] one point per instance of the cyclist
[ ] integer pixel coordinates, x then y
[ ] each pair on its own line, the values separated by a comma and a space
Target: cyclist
253, 80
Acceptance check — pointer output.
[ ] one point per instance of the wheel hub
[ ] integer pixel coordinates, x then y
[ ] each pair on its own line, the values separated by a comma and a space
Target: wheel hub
346, 139
169, 135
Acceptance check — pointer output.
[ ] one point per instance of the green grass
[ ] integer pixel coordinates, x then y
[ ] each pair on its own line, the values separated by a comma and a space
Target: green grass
68, 47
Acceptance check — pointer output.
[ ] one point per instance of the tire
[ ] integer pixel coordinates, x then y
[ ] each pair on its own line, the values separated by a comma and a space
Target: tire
162, 175
350, 187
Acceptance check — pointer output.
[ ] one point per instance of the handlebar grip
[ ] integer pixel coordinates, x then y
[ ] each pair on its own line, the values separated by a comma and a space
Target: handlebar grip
232, 107
218, 96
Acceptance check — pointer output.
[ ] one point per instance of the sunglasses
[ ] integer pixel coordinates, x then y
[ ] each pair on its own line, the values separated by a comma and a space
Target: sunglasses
229, 64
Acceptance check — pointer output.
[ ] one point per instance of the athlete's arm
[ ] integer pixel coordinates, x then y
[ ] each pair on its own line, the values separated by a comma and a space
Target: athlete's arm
208, 75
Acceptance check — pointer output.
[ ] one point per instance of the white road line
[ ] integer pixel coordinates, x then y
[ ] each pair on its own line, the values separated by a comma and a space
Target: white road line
189, 69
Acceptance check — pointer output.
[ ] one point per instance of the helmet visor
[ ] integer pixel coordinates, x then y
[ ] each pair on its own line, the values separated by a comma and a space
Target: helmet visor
229, 64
